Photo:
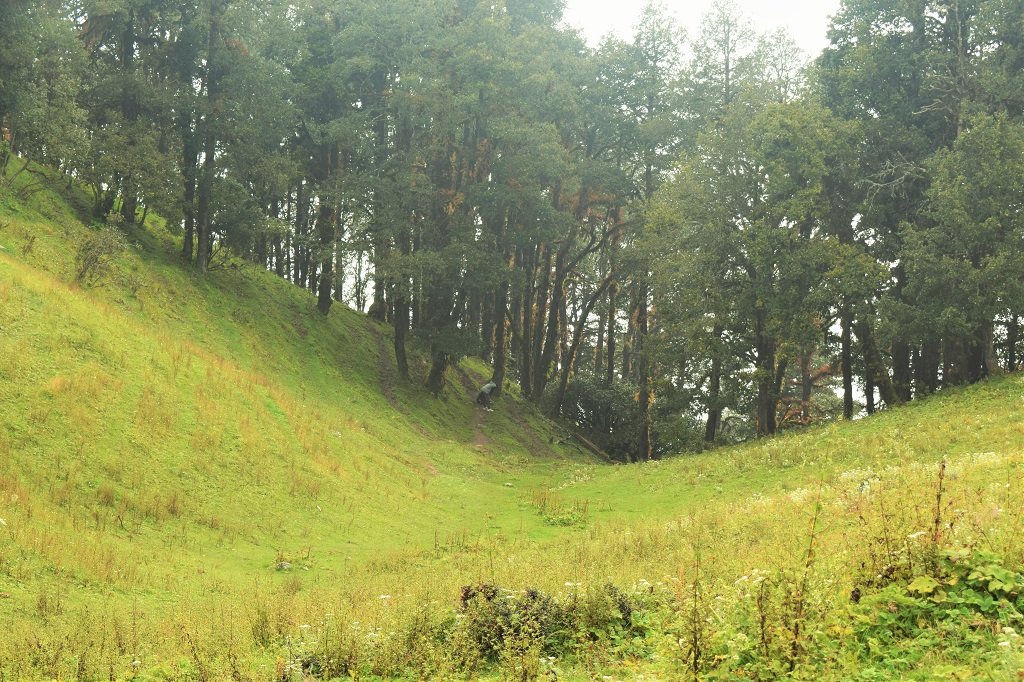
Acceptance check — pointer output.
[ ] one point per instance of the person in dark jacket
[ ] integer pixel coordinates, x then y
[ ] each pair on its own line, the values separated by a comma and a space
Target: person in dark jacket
484, 396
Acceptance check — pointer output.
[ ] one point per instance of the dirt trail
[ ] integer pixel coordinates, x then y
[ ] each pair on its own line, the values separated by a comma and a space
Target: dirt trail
527, 435
385, 372
480, 439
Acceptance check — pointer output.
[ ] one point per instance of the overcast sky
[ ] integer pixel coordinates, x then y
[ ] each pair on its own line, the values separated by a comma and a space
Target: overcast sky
806, 20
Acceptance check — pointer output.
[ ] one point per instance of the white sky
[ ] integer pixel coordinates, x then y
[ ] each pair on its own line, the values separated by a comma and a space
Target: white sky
806, 20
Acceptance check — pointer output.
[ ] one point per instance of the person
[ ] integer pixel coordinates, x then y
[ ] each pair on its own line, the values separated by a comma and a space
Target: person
484, 396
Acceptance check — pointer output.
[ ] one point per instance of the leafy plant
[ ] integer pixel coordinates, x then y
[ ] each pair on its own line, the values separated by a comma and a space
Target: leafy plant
97, 253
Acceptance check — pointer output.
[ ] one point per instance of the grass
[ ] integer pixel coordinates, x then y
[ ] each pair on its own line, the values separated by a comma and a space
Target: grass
201, 478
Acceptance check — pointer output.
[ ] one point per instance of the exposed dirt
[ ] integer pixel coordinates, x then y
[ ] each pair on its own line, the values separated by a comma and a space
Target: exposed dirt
480, 439
526, 435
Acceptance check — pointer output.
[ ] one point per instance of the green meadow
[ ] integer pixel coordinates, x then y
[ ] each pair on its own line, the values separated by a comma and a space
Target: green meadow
202, 478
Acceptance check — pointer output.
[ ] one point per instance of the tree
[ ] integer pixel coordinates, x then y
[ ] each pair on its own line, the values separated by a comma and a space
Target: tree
964, 261
741, 260
903, 71
41, 71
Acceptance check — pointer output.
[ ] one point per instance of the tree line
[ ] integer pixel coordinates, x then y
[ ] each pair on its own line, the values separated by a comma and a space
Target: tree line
669, 241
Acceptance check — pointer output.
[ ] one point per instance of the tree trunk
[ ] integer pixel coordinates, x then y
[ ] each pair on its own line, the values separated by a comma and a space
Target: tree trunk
474, 314
807, 388
526, 333
569, 365
926, 368
765, 366
613, 291
627, 341
439, 365
130, 112
401, 324
875, 368
313, 283
400, 295
1012, 340
279, 264
190, 161
500, 338
555, 325
780, 377
847, 364
339, 257
487, 327
902, 378
204, 243
645, 449
987, 343
325, 234
298, 269
329, 167
954, 362
289, 258
714, 407
379, 308
500, 310
714, 419
515, 316
540, 309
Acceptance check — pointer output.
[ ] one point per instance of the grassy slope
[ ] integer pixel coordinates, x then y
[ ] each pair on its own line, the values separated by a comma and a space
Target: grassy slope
166, 425
167, 439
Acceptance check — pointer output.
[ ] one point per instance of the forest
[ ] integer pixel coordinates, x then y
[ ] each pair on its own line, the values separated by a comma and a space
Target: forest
669, 242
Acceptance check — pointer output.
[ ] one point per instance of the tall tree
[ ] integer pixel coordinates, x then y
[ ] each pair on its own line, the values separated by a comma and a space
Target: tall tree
965, 261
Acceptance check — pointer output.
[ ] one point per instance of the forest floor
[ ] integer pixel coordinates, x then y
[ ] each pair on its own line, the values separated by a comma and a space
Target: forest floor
203, 478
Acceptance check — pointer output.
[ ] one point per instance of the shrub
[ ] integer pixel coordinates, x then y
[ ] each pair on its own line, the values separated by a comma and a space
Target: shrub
96, 253
971, 599
607, 413
525, 631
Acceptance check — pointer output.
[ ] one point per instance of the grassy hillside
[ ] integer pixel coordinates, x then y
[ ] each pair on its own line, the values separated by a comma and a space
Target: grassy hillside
202, 478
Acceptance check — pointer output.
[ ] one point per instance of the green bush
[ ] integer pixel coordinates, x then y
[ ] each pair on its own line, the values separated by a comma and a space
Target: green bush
96, 254
971, 599
608, 414
518, 629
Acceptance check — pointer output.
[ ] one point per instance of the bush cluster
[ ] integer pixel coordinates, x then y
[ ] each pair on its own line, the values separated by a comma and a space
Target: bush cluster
525, 634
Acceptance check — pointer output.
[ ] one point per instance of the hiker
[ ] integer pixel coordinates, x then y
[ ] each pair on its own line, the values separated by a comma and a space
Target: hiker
484, 396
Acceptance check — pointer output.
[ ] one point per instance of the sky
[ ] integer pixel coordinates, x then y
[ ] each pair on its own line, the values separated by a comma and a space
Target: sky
806, 20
